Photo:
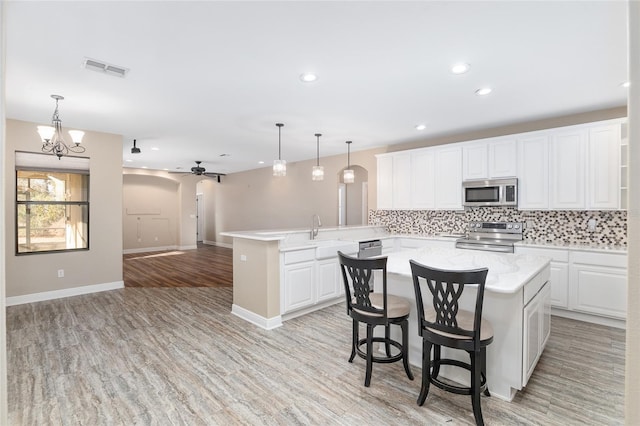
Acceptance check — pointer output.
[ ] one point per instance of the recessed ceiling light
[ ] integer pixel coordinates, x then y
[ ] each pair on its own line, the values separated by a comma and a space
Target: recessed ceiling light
129, 160
260, 162
460, 68
421, 126
483, 91
165, 169
625, 84
155, 148
144, 167
308, 77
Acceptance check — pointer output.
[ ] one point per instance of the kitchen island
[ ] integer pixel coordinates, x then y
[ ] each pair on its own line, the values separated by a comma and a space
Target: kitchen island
516, 302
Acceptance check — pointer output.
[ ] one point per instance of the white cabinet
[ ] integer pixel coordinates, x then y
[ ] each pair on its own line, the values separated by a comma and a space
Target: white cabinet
489, 159
559, 278
598, 283
604, 166
536, 330
533, 173
567, 154
401, 181
385, 182
299, 286
423, 177
448, 181
329, 280
429, 178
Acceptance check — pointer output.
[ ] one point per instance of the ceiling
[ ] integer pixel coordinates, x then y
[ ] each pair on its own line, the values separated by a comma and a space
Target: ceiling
209, 80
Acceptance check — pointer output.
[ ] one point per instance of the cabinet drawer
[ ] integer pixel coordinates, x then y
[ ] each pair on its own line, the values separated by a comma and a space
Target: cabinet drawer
299, 256
613, 260
560, 255
535, 284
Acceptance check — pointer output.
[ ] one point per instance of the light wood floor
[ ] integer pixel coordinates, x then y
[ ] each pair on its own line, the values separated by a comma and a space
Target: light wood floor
163, 356
208, 266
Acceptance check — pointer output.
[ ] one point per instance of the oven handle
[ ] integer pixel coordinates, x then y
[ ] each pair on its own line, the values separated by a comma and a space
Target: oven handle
484, 247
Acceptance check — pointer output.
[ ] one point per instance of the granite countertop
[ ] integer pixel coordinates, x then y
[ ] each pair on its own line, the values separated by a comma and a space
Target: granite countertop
508, 273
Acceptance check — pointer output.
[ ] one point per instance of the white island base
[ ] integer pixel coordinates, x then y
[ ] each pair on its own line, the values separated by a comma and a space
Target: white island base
516, 302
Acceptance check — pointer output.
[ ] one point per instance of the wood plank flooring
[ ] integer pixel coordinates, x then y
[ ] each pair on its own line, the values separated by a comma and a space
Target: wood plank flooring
177, 356
206, 266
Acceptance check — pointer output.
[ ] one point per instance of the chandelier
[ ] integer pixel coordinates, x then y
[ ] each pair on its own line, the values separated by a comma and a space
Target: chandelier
52, 140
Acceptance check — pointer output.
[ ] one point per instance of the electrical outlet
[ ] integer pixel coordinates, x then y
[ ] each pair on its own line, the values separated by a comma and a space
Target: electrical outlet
60, 273
243, 257
591, 225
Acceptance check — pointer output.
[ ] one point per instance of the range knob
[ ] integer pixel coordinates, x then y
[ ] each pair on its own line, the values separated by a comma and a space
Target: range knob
509, 226
516, 226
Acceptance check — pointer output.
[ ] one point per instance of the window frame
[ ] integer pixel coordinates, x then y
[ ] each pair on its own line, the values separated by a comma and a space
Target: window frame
29, 203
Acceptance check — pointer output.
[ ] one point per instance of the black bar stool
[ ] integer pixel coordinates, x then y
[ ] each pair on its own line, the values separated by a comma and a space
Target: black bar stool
374, 309
442, 323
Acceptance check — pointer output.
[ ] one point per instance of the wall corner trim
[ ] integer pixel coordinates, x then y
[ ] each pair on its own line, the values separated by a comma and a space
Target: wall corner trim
59, 294
252, 317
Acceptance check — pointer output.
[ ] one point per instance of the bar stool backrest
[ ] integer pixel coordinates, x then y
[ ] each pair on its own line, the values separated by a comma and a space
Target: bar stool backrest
357, 277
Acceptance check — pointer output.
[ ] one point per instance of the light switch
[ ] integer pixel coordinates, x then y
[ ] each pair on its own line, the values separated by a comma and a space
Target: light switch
243, 257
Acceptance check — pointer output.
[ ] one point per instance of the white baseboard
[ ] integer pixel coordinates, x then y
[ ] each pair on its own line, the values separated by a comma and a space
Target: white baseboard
149, 249
304, 311
252, 317
215, 243
188, 247
59, 294
594, 319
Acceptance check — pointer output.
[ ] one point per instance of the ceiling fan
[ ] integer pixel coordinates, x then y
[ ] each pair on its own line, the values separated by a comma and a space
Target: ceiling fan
201, 171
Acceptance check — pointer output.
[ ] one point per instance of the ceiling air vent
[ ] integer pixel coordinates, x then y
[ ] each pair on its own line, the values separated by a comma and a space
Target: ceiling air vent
105, 68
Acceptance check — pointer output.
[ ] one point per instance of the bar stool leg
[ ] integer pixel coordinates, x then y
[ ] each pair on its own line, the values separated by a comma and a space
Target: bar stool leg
404, 325
355, 338
367, 378
426, 373
476, 378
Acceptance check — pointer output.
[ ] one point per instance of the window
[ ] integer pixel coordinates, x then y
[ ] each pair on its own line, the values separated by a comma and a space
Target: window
52, 204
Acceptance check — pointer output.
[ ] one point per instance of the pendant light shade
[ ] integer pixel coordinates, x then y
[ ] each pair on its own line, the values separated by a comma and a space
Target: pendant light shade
279, 165
348, 176
318, 171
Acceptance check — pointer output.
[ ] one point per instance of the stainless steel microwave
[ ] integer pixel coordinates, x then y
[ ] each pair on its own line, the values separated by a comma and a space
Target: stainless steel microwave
486, 193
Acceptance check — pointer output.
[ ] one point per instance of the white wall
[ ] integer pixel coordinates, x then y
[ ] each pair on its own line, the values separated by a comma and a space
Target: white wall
3, 328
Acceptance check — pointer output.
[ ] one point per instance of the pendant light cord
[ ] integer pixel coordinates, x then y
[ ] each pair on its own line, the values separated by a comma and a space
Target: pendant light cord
318, 149
279, 143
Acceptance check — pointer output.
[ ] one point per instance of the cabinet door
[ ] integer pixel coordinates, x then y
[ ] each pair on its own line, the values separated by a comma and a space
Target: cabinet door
298, 286
401, 181
599, 290
567, 153
328, 282
533, 173
385, 182
474, 161
531, 338
449, 178
502, 158
604, 167
423, 174
559, 284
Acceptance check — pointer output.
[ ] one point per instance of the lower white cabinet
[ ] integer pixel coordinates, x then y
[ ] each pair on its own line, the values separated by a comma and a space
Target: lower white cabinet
329, 279
599, 284
559, 279
299, 288
537, 328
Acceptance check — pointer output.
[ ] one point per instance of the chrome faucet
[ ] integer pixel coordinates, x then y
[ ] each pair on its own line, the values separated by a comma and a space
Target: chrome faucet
314, 228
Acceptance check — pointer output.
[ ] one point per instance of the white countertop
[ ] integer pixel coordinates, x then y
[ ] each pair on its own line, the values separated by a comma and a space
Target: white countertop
508, 273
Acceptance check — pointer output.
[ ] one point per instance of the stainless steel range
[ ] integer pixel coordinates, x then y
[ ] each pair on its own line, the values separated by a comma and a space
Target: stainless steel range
491, 236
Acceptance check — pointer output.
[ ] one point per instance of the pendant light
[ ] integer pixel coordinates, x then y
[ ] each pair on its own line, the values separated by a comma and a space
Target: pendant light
279, 165
348, 175
318, 171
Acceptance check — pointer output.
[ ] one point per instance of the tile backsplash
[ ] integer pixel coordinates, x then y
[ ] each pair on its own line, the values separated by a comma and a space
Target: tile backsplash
551, 227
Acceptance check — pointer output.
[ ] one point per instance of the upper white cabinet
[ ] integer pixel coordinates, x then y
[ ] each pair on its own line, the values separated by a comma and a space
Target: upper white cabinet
423, 176
488, 159
575, 167
604, 166
448, 181
429, 178
533, 173
570, 168
385, 182
567, 153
